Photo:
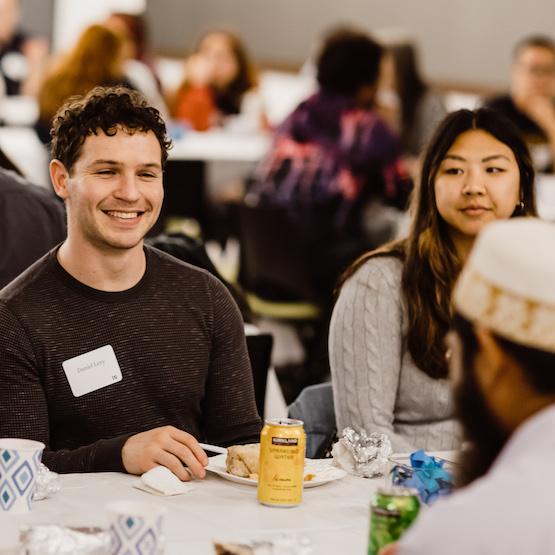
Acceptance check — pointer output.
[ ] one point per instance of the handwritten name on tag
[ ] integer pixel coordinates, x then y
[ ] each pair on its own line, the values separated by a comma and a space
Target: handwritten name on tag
93, 370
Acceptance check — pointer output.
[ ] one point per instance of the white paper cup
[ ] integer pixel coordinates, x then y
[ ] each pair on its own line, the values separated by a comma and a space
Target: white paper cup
19, 464
136, 528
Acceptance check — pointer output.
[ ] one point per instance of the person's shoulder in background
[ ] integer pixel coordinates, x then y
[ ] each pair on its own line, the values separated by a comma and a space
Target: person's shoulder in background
502, 102
32, 221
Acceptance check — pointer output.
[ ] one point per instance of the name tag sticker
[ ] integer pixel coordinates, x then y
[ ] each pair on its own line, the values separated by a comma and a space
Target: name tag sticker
93, 370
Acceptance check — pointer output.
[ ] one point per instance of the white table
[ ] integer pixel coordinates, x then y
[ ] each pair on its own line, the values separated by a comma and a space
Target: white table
24, 148
19, 110
334, 516
220, 145
545, 196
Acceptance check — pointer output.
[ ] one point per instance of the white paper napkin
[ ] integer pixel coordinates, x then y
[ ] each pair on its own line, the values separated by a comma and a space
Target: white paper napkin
162, 481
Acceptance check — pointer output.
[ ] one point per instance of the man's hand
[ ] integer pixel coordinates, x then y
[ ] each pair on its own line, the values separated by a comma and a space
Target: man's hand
166, 446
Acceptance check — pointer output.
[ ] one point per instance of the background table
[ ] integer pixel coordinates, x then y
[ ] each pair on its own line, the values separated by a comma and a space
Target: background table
334, 516
220, 144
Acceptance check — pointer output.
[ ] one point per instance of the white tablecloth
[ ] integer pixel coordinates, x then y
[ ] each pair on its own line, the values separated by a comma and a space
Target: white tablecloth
24, 148
545, 196
220, 145
333, 516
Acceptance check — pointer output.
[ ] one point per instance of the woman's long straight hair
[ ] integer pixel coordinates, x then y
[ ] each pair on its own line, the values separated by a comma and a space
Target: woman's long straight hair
430, 260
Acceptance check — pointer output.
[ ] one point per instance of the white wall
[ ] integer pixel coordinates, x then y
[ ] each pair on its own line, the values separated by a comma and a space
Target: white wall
467, 41
460, 40
37, 16
71, 17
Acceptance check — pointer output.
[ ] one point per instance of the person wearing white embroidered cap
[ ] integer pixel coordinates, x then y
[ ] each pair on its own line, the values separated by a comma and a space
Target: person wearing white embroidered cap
502, 366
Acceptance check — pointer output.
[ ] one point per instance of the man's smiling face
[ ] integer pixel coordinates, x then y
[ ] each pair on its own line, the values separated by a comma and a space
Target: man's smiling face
114, 191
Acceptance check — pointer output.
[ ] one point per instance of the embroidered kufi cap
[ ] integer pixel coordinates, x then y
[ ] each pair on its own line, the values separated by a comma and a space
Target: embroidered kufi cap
508, 282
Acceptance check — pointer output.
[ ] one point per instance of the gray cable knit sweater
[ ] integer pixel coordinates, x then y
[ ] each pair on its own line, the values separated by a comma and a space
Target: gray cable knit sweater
376, 384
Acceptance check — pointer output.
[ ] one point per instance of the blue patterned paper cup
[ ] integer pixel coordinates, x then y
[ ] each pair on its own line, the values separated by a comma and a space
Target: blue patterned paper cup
19, 464
136, 528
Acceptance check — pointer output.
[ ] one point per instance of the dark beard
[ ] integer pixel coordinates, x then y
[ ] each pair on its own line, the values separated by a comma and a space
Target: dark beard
484, 435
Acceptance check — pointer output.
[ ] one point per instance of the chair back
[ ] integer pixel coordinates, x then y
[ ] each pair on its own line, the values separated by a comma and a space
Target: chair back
273, 256
259, 347
314, 406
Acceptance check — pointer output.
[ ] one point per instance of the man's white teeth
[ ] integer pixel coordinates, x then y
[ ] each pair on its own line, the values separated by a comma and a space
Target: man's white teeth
124, 215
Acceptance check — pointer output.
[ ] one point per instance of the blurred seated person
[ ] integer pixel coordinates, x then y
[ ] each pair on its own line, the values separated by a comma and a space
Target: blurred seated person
138, 64
22, 56
96, 60
406, 100
333, 157
530, 103
219, 82
502, 367
32, 221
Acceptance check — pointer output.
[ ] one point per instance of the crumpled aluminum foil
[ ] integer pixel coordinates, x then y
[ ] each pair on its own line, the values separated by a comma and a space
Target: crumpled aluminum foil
284, 545
47, 483
361, 454
59, 540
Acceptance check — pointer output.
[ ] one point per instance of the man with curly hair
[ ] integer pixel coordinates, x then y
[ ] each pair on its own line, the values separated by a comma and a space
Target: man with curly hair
117, 356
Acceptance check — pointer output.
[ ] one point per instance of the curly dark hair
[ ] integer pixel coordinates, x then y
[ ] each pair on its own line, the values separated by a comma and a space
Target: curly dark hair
349, 59
105, 109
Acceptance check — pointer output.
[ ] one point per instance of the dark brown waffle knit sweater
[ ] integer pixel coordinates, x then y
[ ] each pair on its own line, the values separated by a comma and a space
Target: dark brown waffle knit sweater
178, 338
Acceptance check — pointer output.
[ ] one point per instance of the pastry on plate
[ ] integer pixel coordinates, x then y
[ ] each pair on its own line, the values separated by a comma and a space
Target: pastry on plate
242, 460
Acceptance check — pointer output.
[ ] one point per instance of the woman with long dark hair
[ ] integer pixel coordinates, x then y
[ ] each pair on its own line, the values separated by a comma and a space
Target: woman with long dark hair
387, 352
412, 105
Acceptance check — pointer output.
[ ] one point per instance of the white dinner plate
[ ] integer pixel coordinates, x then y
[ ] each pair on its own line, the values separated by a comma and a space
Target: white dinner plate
322, 468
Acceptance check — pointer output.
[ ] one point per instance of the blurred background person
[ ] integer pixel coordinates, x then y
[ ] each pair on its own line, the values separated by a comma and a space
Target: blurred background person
387, 332
406, 100
333, 157
530, 103
138, 63
32, 221
96, 59
22, 56
220, 81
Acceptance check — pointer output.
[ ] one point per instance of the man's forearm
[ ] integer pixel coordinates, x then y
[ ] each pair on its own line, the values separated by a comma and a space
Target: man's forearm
103, 455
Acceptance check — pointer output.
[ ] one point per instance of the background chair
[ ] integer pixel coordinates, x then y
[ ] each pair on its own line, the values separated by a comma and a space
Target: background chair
274, 270
275, 275
314, 406
259, 347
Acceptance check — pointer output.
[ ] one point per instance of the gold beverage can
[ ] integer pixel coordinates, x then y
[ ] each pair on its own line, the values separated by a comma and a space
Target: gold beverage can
281, 469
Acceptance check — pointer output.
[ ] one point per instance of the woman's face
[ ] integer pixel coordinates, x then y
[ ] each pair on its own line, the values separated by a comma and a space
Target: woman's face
217, 50
478, 181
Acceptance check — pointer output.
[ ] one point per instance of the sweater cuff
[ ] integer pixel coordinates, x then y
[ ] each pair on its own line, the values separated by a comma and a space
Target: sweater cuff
107, 455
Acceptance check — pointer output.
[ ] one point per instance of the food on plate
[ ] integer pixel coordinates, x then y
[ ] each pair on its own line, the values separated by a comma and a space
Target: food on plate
242, 460
232, 549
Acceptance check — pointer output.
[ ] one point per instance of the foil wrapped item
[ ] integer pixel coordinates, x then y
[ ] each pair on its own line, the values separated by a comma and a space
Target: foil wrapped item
362, 454
283, 545
59, 540
47, 483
